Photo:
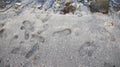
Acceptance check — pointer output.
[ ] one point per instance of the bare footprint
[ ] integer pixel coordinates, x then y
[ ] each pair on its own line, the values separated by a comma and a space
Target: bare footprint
32, 51
63, 32
27, 65
87, 49
2, 25
22, 28
15, 50
4, 62
44, 17
1, 62
27, 25
37, 38
16, 36
26, 35
2, 33
45, 27
108, 65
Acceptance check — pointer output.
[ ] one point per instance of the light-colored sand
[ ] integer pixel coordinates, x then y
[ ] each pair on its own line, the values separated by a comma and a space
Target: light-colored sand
35, 38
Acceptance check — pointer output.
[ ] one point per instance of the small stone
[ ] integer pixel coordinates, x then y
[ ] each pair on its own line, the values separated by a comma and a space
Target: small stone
69, 8
18, 4
110, 24
99, 6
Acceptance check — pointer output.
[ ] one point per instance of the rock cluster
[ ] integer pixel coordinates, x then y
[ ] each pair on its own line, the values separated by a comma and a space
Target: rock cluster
59, 6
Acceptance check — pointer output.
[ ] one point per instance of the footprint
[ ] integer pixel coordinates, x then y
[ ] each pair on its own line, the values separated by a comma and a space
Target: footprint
2, 32
22, 27
1, 62
44, 17
63, 32
7, 65
27, 25
108, 65
27, 65
87, 49
4, 63
15, 36
37, 38
41, 39
21, 42
46, 26
32, 51
36, 57
26, 35
2, 25
15, 50
20, 50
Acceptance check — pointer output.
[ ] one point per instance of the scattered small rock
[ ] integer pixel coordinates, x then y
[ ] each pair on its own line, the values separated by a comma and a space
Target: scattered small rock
18, 4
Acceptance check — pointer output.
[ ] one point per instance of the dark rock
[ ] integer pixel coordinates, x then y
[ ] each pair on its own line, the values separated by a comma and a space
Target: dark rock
99, 6
69, 8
